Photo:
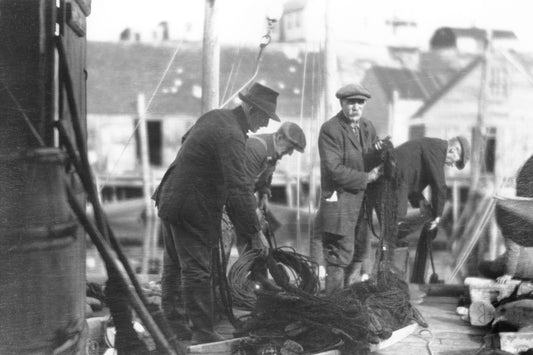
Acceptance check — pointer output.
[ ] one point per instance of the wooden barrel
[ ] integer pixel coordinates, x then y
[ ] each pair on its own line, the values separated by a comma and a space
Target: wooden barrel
42, 259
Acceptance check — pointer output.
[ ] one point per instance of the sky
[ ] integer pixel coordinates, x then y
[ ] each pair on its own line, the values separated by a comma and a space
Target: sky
242, 21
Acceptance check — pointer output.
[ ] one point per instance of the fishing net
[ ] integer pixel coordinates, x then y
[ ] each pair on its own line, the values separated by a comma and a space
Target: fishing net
351, 319
383, 197
293, 316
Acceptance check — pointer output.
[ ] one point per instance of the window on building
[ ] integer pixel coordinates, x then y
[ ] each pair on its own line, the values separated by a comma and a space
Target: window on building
499, 81
155, 146
297, 20
490, 151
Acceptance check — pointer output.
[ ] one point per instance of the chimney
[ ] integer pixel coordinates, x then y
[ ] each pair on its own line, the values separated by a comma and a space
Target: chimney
125, 35
163, 31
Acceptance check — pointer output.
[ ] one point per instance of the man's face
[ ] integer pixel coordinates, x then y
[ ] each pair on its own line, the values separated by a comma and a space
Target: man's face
453, 155
353, 108
283, 147
256, 118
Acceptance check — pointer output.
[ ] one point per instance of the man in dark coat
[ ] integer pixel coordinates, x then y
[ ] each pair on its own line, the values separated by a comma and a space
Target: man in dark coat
263, 151
345, 144
207, 174
419, 164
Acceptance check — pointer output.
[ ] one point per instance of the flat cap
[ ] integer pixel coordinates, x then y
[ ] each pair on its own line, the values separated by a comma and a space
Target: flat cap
353, 91
465, 152
294, 134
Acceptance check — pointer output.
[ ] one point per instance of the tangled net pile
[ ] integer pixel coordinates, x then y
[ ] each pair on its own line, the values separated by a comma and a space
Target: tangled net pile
351, 319
289, 265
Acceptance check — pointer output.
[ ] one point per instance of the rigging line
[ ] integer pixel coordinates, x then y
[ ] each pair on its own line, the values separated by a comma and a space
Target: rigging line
299, 159
239, 64
312, 196
316, 90
142, 117
517, 65
265, 41
30, 125
256, 71
230, 76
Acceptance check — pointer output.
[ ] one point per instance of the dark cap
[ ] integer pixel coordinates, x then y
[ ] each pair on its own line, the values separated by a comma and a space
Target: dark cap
263, 98
294, 134
465, 152
353, 91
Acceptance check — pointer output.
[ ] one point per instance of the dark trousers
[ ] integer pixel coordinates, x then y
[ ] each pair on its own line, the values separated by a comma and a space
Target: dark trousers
187, 275
172, 297
346, 256
344, 250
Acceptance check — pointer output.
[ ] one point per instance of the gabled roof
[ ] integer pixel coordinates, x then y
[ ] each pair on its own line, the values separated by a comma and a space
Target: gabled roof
525, 60
450, 85
117, 72
409, 84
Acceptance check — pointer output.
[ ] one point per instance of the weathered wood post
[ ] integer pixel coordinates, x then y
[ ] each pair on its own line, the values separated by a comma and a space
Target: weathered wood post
42, 250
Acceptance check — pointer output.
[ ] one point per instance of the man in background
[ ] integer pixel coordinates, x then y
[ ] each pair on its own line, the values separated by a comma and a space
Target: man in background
420, 163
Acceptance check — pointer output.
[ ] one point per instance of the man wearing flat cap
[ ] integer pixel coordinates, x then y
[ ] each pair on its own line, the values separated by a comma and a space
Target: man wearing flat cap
263, 151
207, 173
345, 143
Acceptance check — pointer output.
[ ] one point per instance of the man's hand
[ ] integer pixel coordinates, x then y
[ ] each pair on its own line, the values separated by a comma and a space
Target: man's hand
375, 173
263, 201
434, 223
379, 144
503, 279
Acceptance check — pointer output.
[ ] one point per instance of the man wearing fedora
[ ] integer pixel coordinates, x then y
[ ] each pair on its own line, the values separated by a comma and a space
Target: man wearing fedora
207, 173
346, 143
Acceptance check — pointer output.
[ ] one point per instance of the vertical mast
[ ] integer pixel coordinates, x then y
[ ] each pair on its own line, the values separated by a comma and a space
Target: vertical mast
210, 58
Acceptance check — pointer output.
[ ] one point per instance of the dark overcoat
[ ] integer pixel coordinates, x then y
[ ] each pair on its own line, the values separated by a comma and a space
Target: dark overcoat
343, 172
207, 173
420, 163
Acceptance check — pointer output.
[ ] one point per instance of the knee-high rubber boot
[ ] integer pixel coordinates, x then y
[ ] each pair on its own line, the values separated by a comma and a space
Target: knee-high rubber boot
334, 279
199, 304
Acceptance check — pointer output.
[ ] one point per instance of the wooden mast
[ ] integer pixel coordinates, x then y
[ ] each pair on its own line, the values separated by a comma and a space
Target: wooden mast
210, 58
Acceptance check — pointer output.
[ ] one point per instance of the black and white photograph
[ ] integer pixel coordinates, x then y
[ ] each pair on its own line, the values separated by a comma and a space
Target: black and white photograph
266, 177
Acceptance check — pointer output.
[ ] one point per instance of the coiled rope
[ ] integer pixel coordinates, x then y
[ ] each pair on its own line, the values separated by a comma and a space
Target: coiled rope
290, 267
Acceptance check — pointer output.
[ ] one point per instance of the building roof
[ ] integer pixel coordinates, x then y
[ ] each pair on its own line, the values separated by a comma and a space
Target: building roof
118, 72
523, 61
409, 84
446, 88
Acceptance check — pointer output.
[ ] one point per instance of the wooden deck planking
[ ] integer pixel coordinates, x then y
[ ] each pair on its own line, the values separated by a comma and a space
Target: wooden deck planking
449, 334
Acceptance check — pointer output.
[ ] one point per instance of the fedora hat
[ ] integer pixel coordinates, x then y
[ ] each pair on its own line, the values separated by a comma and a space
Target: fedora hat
263, 98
